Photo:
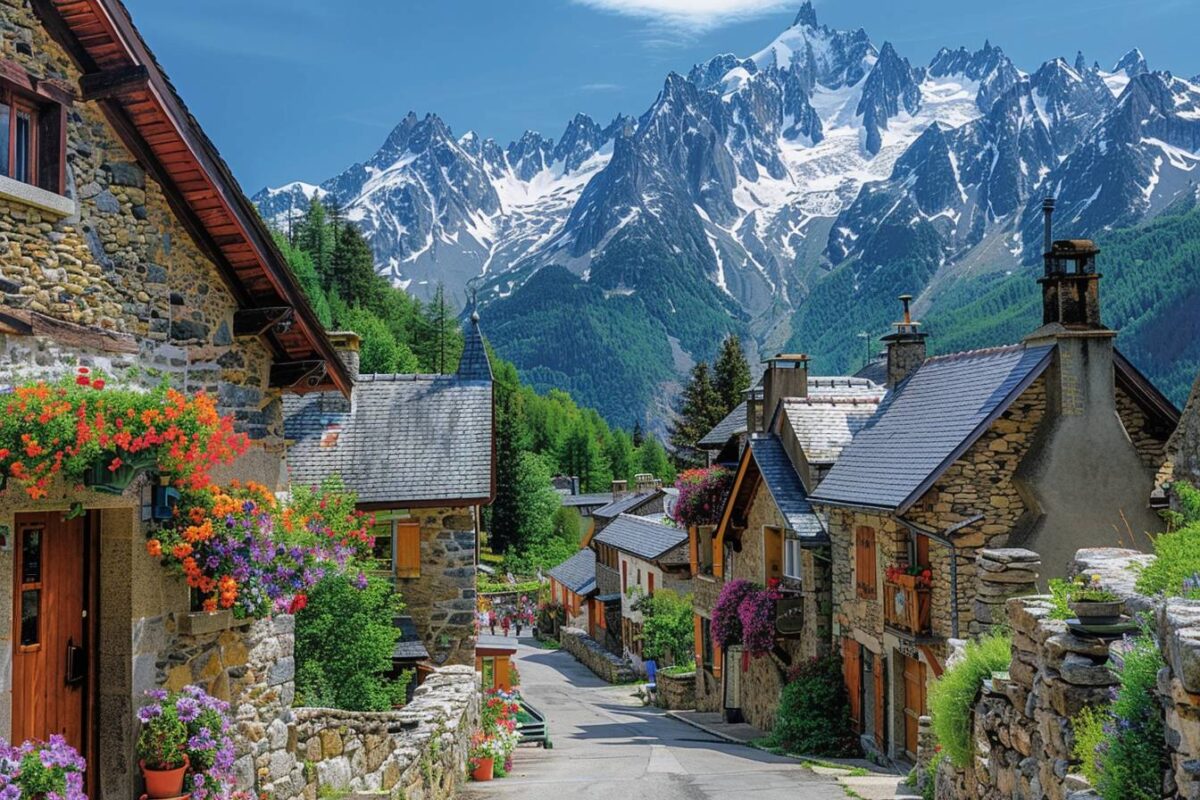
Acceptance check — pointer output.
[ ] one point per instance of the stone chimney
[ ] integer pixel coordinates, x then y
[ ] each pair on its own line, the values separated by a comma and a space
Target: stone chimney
754, 409
1070, 285
619, 489
347, 345
786, 376
644, 482
905, 347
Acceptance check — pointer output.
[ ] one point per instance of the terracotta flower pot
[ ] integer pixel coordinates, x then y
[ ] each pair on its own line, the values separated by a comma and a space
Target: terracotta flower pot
164, 783
483, 771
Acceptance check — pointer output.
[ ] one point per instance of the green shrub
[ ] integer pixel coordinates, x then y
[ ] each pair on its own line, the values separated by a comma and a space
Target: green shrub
679, 669
1060, 598
814, 711
344, 642
953, 694
1088, 725
1134, 756
497, 587
668, 626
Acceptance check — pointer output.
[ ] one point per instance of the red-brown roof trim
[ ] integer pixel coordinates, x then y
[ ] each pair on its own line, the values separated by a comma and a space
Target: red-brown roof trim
156, 126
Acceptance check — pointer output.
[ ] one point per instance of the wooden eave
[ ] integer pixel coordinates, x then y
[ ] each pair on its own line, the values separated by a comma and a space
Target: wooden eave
1156, 405
156, 126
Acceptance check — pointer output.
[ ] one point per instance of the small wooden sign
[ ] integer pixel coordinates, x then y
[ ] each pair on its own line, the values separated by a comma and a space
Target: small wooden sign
789, 616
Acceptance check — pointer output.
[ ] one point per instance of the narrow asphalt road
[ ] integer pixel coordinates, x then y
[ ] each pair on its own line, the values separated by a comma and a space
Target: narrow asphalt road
609, 747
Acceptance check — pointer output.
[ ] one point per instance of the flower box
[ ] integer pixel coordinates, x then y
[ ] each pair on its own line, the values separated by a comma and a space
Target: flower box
102, 477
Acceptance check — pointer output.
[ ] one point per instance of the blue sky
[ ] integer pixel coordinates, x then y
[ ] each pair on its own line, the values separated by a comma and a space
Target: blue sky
300, 89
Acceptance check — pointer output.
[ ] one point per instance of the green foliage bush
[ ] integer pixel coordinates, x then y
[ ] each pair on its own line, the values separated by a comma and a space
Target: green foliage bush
814, 711
1175, 571
1088, 726
1133, 756
953, 694
344, 642
668, 626
496, 587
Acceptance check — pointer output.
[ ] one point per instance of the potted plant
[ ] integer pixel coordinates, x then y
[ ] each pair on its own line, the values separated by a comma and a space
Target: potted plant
162, 747
484, 752
41, 769
1092, 604
909, 576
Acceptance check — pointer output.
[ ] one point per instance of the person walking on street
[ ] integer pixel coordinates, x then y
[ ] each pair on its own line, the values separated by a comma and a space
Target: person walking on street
492, 621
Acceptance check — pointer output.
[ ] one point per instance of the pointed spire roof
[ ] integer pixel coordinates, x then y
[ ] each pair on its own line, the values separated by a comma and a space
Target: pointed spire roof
474, 364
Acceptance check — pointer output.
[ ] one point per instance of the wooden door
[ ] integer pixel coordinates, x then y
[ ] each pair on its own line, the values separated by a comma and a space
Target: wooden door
914, 702
852, 675
50, 649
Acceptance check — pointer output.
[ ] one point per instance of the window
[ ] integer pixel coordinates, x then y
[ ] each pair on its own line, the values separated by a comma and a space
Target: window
792, 566
398, 548
30, 572
650, 584
706, 656
32, 130
624, 576
864, 561
639, 577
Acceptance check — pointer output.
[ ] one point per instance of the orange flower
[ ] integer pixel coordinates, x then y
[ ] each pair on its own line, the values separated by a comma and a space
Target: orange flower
181, 550
154, 548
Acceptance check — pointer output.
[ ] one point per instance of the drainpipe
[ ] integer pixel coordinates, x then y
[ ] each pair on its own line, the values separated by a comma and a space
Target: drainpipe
943, 538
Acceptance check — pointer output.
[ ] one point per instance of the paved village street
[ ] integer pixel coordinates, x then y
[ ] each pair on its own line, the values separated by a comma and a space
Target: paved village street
608, 747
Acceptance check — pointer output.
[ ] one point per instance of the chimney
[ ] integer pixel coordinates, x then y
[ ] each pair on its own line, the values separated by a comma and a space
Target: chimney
347, 345
619, 489
786, 376
643, 482
1070, 285
905, 347
754, 404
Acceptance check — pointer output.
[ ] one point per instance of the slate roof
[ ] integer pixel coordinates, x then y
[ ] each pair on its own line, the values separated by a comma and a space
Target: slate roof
781, 480
473, 365
626, 504
577, 573
409, 645
875, 370
733, 424
824, 425
407, 439
576, 500
641, 537
927, 422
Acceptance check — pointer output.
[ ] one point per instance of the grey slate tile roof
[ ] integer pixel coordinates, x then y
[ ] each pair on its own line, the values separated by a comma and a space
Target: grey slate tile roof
824, 425
733, 424
596, 499
641, 537
406, 439
577, 573
409, 645
626, 504
781, 480
473, 365
927, 422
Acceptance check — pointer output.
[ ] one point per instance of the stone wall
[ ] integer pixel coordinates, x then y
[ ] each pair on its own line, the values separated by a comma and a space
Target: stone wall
1022, 728
1003, 573
1151, 445
420, 751
442, 600
705, 589
592, 655
677, 691
1184, 446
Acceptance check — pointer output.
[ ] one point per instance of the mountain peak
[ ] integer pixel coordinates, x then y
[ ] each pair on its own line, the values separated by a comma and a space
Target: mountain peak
807, 16
1080, 63
1132, 63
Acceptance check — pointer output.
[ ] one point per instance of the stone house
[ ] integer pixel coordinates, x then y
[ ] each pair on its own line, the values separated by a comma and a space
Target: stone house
769, 533
1051, 444
573, 586
126, 246
648, 499
635, 556
723, 444
419, 451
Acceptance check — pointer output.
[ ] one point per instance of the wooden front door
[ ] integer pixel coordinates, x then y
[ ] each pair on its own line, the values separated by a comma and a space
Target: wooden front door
914, 702
50, 601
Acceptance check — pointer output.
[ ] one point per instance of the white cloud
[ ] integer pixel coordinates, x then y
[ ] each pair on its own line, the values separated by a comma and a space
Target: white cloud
600, 87
695, 15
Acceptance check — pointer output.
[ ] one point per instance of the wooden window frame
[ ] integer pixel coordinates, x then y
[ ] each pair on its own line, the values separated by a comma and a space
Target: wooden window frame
29, 586
47, 104
650, 583
866, 562
791, 543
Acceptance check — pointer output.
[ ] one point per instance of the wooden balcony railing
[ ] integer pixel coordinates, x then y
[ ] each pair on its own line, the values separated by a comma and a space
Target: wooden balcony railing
906, 605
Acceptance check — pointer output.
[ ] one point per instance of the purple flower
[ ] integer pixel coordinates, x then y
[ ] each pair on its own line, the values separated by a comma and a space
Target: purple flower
360, 581
147, 713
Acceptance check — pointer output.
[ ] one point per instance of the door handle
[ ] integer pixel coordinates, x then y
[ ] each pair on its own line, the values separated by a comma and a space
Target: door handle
76, 663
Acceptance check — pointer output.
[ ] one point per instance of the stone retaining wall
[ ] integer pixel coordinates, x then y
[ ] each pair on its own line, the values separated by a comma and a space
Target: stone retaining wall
592, 655
1022, 721
677, 692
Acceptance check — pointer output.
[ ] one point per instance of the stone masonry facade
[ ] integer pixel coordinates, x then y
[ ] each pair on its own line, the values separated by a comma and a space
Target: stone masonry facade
442, 600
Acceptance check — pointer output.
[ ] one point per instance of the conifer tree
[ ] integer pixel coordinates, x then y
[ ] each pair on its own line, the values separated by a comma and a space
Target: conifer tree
638, 434
731, 373
700, 409
619, 452
652, 458
505, 511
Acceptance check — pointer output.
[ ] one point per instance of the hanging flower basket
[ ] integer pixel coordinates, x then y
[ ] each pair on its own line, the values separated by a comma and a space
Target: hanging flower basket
113, 473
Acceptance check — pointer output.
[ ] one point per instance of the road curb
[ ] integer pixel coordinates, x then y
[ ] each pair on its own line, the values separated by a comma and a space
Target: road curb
710, 731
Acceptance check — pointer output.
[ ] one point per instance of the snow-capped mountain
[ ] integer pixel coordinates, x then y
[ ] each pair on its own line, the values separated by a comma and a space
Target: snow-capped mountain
753, 178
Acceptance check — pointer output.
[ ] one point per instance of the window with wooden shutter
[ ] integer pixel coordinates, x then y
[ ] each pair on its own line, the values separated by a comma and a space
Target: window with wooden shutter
852, 675
624, 576
864, 561
650, 584
408, 550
